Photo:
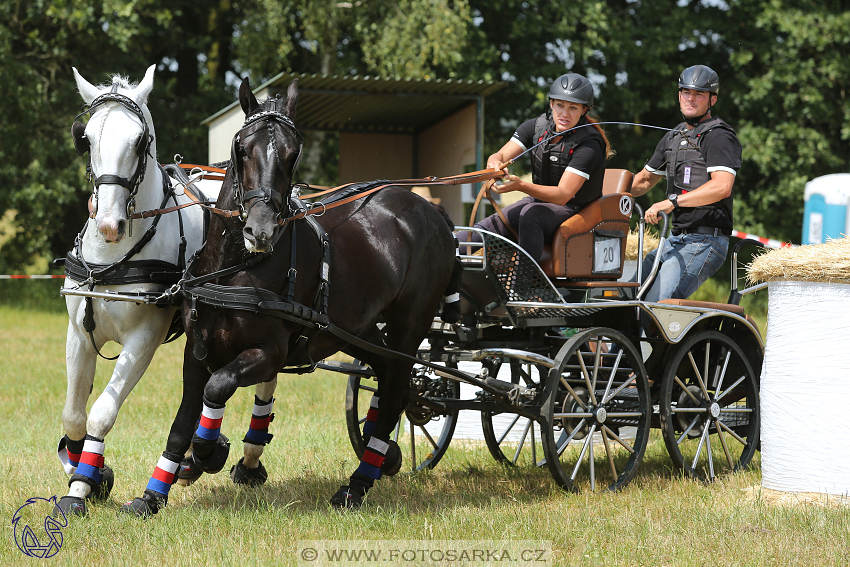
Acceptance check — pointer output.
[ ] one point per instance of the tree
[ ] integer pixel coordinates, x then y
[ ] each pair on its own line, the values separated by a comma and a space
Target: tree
792, 95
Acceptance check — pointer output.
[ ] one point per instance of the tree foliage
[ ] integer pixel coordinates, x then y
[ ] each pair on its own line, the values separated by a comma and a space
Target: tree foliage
783, 80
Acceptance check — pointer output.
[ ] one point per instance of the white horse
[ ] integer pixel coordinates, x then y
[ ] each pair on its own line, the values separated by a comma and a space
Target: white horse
112, 257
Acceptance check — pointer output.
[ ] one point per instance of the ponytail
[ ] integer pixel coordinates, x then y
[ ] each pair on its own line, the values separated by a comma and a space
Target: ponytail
609, 151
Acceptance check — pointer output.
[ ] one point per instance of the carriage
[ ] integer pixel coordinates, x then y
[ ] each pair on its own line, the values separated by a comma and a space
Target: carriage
564, 360
569, 369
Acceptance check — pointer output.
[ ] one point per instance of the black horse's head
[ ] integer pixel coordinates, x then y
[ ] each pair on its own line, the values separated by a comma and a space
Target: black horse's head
265, 155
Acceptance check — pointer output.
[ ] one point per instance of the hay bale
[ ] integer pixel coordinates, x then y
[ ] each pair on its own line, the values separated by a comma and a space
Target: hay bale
828, 263
794, 499
650, 243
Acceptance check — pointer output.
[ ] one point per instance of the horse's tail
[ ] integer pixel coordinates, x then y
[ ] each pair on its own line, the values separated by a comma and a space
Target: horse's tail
451, 300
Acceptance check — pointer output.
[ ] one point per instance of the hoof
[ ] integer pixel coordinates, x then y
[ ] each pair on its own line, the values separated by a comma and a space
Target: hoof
104, 488
345, 498
189, 472
392, 460
249, 477
143, 507
70, 506
216, 456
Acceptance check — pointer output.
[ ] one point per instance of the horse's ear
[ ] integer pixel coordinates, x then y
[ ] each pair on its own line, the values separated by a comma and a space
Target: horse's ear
246, 97
145, 87
88, 91
292, 99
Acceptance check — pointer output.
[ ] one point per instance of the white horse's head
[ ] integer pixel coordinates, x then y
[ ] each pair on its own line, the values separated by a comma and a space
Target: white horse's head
120, 138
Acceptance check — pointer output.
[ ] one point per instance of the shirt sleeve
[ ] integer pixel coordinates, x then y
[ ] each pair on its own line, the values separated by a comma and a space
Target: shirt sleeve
657, 163
586, 159
722, 151
524, 135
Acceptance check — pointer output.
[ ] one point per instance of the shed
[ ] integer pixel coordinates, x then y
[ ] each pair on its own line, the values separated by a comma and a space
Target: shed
388, 128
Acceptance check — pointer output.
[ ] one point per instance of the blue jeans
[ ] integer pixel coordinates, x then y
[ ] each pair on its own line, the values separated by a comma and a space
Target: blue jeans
687, 260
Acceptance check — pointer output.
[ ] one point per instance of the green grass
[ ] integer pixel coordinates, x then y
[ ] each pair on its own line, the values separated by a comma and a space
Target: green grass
659, 519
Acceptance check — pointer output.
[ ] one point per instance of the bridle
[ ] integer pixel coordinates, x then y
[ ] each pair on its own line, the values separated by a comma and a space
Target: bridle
82, 145
272, 117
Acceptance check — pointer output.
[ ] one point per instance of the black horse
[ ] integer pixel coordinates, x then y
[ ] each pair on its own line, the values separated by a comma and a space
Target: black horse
260, 289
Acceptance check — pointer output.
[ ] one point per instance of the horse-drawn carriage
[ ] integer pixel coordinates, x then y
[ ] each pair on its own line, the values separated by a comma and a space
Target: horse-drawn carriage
573, 353
581, 367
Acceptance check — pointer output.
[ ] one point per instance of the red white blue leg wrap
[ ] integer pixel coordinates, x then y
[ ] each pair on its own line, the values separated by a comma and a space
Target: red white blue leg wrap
373, 458
164, 475
91, 461
209, 427
371, 418
261, 417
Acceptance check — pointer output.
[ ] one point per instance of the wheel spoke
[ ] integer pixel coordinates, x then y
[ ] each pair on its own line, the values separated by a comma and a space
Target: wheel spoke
609, 452
700, 381
586, 377
619, 440
710, 456
428, 436
588, 441
596, 359
508, 430
611, 378
573, 393
592, 458
737, 437
700, 446
685, 388
570, 438
622, 386
731, 388
725, 448
722, 374
521, 442
687, 430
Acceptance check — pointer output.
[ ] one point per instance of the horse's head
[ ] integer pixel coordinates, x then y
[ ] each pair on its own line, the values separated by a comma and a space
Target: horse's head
265, 155
119, 137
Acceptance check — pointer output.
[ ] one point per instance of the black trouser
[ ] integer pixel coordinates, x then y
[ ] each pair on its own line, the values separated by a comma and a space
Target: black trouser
536, 222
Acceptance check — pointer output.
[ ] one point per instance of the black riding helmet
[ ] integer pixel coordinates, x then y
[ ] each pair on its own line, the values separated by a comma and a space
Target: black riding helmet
572, 87
700, 78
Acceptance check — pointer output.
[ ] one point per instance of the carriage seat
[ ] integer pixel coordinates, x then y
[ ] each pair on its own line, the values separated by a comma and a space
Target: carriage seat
571, 254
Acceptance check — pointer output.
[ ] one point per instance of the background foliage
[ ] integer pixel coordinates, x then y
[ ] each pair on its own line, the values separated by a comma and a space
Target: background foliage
783, 81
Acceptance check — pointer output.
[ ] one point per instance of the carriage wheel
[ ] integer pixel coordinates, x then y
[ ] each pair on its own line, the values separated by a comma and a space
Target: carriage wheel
514, 438
709, 406
423, 434
596, 415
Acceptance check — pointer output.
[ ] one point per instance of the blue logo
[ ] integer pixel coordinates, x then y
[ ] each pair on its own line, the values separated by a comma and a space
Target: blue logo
41, 545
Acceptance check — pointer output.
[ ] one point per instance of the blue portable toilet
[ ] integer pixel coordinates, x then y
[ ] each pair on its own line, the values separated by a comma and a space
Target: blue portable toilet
827, 204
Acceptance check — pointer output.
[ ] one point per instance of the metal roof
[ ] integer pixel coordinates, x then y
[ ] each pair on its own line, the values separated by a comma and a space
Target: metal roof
374, 104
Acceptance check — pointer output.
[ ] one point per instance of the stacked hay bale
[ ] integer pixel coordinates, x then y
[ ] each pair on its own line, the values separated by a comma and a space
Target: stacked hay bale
805, 381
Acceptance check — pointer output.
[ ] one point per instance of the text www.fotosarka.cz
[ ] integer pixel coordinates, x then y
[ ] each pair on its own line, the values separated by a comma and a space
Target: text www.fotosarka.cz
424, 552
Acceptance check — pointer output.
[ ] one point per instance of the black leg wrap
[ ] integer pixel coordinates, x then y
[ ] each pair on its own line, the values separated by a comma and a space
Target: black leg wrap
210, 456
99, 490
146, 506
69, 506
392, 460
351, 496
240, 474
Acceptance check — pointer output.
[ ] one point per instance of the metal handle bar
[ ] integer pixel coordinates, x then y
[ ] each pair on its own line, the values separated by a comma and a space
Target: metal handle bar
651, 277
734, 295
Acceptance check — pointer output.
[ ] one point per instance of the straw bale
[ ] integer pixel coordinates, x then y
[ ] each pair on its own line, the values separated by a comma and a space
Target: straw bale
794, 499
828, 262
650, 243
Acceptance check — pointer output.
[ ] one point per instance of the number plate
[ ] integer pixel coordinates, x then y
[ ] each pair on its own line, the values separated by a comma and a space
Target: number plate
606, 254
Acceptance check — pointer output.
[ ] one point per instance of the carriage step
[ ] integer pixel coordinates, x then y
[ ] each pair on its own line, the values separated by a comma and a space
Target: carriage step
346, 368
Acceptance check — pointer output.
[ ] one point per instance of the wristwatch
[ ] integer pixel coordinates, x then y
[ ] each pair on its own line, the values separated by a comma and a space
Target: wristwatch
674, 199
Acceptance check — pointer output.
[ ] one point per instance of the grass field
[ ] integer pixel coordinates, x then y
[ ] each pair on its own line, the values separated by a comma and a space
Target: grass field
659, 519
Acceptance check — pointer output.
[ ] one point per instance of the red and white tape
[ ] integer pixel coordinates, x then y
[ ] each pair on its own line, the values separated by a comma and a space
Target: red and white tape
766, 241
32, 277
